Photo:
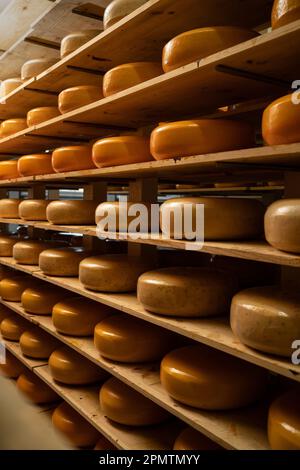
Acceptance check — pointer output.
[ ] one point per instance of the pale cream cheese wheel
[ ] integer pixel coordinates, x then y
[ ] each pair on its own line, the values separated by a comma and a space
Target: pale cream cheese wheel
9, 169
38, 115
13, 327
62, 261
11, 289
118, 9
284, 421
189, 439
121, 150
120, 217
34, 67
7, 244
9, 208
37, 164
12, 126
12, 367
72, 158
40, 300
69, 212
282, 225
78, 96
35, 389
9, 85
37, 344
73, 41
33, 209
28, 251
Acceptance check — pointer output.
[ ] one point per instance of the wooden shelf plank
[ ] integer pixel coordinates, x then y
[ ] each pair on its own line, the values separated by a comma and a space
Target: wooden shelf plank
15, 349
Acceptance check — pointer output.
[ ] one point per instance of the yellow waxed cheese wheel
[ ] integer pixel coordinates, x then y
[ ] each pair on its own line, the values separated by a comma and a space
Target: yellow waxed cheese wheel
190, 439
78, 96
122, 150
104, 444
28, 251
73, 158
37, 115
62, 261
12, 126
9, 169
187, 291
124, 405
225, 218
34, 67
6, 245
120, 217
40, 300
284, 12
35, 389
118, 9
75, 40
197, 44
9, 208
13, 327
70, 423
282, 225
281, 121
12, 367
126, 339
102, 273
9, 85
70, 212
199, 136
284, 421
33, 209
78, 316
39, 164
267, 319
37, 344
128, 75
11, 289
69, 367
191, 376
5, 312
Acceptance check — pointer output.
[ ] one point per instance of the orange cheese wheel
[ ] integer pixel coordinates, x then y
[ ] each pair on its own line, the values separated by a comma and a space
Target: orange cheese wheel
104, 444
12, 126
35, 389
4, 312
187, 292
123, 150
61, 261
69, 367
37, 115
128, 75
12, 367
190, 439
70, 212
78, 316
115, 217
284, 421
118, 9
197, 44
33, 209
281, 122
13, 327
199, 136
39, 164
101, 273
73, 158
9, 169
37, 344
124, 405
34, 67
282, 225
6, 245
75, 40
225, 218
284, 12
9, 208
81, 433
9, 85
11, 289
191, 375
267, 319
123, 338
28, 251
78, 96
40, 300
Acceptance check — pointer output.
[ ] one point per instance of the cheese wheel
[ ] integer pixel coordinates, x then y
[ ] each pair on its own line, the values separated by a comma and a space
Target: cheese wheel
123, 150
224, 218
9, 169
78, 316
12, 126
12, 367
39, 164
282, 225
81, 433
102, 273
104, 444
37, 344
11, 289
33, 209
73, 41
267, 319
68, 367
190, 439
40, 300
70, 212
9, 208
6, 245
13, 327
73, 158
126, 339
128, 75
28, 251
37, 115
118, 9
9, 85
124, 405
118, 217
78, 96
35, 389
187, 291
284, 421
61, 261
34, 67
281, 122
4, 312
199, 136
284, 12
197, 44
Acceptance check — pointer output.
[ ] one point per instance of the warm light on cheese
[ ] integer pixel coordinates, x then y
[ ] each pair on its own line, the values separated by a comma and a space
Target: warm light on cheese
9, 208
284, 12
124, 405
11, 289
73, 41
9, 169
12, 126
13, 327
28, 251
9, 85
208, 379
37, 115
114, 209
39, 164
118, 9
73, 158
34, 67
40, 300
12, 367
35, 389
62, 261
123, 150
190, 439
281, 121
78, 96
282, 225
7, 244
33, 209
284, 421
70, 212
37, 344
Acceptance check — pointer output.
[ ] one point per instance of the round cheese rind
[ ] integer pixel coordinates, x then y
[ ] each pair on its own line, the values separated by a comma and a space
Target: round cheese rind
78, 96
37, 115
281, 122
284, 12
33, 209
12, 126
73, 158
81, 433
102, 273
118, 216
190, 439
9, 208
61, 261
282, 225
37, 344
12, 367
192, 375
39, 164
9, 170
34, 67
68, 212
284, 421
9, 85
267, 319
123, 150
13, 327
187, 291
78, 316
28, 251
197, 44
68, 367
73, 41
124, 405
126, 339
118, 9
6, 245
35, 389
199, 136
11, 289
40, 300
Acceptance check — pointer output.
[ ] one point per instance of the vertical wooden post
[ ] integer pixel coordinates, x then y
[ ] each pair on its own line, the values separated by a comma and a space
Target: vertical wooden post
95, 192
